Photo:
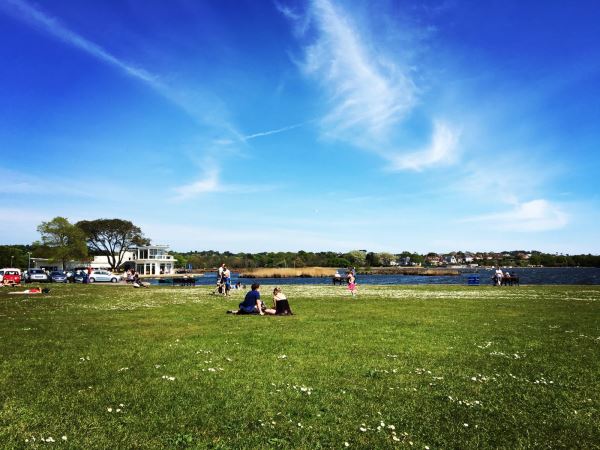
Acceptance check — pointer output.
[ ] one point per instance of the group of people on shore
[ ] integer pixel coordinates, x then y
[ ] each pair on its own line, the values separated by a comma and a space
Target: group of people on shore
223, 281
499, 278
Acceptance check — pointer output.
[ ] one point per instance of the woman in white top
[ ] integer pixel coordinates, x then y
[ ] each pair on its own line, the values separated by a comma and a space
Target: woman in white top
280, 303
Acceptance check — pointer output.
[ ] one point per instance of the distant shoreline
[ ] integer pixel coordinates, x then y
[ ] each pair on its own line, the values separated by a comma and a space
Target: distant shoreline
324, 272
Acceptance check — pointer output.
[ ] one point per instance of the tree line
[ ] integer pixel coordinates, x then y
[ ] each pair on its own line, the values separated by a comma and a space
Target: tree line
61, 241
361, 258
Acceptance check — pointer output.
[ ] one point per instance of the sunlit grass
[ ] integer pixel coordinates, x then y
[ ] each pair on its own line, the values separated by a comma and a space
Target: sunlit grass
407, 367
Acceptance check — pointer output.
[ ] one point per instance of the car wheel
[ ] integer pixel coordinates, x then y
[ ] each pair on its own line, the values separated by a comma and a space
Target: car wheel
113, 280
92, 280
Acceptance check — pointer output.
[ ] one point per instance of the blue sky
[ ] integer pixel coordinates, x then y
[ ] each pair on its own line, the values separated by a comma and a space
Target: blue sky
305, 125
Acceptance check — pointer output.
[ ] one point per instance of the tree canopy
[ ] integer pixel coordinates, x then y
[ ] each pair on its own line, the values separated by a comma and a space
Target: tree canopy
62, 240
112, 238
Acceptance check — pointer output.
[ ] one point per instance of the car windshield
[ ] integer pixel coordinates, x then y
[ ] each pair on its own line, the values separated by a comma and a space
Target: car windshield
57, 273
36, 271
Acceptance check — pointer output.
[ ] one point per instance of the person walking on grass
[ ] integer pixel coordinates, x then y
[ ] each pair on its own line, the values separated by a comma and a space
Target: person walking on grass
352, 284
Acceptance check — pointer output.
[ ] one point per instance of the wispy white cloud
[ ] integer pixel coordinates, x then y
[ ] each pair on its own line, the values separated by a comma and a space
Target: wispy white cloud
441, 151
532, 216
51, 25
269, 132
369, 95
19, 183
203, 106
210, 182
287, 11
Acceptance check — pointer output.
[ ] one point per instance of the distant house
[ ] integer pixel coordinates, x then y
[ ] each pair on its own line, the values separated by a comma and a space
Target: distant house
433, 260
450, 259
404, 261
468, 258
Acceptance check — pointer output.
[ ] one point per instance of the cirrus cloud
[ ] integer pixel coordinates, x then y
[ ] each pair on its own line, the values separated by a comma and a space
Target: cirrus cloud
535, 215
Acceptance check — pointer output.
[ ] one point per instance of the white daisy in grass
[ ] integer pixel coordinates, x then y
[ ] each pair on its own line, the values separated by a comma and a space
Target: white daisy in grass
346, 444
64, 438
282, 357
109, 409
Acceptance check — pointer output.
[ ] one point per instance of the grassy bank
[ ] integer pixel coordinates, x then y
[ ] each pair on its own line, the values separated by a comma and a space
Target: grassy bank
398, 367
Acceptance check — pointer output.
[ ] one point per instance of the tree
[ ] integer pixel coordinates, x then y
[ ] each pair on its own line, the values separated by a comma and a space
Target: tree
112, 238
386, 258
63, 240
14, 255
356, 257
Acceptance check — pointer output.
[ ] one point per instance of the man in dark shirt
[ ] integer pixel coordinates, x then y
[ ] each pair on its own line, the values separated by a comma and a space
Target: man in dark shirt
252, 303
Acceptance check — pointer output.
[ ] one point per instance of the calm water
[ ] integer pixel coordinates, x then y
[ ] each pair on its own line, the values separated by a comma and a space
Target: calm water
527, 276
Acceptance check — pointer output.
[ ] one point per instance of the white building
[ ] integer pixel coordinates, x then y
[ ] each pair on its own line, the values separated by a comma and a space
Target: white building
150, 260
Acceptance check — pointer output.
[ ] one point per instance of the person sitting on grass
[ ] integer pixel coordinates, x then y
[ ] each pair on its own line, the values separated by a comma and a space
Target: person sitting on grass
280, 303
252, 303
138, 283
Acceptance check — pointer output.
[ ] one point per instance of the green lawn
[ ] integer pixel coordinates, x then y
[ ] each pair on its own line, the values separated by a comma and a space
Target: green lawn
409, 367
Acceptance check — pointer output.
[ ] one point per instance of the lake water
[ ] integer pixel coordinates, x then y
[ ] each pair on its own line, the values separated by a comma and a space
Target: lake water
569, 275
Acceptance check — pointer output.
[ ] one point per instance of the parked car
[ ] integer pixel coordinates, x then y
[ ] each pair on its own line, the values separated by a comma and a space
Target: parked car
58, 276
37, 275
103, 275
77, 276
12, 276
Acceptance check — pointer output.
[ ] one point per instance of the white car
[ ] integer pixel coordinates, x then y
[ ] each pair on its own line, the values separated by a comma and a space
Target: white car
103, 275
37, 275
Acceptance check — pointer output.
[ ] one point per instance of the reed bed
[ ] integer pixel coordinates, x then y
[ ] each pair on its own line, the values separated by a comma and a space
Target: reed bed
307, 272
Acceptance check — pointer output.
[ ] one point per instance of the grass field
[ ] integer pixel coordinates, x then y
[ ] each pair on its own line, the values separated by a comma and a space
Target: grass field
419, 367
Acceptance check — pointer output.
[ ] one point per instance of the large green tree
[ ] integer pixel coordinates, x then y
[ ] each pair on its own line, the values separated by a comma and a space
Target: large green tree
112, 238
62, 240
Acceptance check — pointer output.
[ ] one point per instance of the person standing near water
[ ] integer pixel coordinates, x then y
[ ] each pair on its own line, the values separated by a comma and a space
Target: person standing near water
227, 280
352, 283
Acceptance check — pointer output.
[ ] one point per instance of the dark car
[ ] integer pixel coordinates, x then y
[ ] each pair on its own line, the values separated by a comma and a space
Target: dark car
79, 276
58, 276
